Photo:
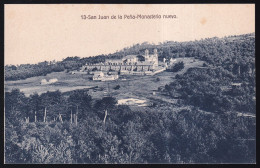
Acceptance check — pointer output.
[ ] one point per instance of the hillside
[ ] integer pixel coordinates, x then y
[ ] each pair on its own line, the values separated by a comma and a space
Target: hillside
229, 52
202, 110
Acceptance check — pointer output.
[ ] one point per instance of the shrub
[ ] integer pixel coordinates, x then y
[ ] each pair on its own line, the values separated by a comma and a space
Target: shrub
178, 67
117, 87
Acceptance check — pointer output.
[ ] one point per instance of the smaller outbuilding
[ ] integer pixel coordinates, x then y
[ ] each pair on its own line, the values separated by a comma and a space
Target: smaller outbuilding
45, 82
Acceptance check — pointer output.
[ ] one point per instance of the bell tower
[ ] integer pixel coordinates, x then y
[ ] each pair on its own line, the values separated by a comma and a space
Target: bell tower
146, 55
155, 51
155, 57
146, 52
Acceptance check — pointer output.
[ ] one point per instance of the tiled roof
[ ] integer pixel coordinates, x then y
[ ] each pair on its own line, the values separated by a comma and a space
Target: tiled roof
130, 56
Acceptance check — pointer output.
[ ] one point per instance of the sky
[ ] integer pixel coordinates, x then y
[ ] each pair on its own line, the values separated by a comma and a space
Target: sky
46, 32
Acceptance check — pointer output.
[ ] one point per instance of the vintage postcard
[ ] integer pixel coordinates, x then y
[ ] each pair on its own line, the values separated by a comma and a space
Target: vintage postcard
129, 83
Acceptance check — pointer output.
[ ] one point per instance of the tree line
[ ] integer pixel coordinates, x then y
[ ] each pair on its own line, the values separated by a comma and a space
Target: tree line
234, 53
108, 133
214, 90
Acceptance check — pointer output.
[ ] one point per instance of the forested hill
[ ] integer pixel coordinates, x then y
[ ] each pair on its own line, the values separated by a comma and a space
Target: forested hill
216, 51
212, 121
233, 53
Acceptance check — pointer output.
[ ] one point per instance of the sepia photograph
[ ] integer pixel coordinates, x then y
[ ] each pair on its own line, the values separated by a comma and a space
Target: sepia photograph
129, 84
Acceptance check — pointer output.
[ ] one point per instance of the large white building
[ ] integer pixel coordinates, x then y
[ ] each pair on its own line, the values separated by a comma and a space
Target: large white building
146, 64
150, 59
153, 58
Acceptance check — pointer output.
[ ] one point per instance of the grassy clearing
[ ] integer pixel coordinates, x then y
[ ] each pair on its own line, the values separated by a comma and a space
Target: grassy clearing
137, 87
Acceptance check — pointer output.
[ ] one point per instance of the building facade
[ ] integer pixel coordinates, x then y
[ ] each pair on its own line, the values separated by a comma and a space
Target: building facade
130, 64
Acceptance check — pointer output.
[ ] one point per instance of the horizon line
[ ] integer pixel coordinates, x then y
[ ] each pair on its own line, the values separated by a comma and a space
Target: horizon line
151, 43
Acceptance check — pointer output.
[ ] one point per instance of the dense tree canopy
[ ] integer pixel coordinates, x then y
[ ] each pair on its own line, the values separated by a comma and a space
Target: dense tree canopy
204, 126
128, 136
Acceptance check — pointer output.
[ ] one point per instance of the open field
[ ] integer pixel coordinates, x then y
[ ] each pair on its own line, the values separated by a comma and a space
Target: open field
131, 87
